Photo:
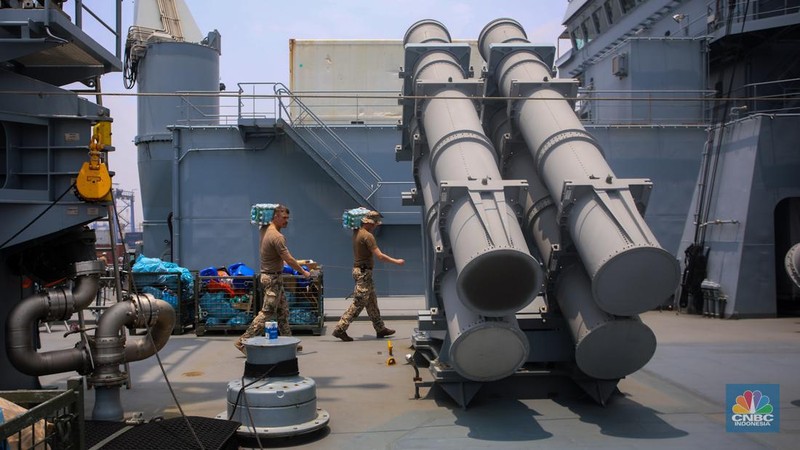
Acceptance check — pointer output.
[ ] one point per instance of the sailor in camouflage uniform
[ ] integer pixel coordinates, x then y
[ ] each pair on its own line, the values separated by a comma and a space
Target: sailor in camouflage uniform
274, 253
365, 249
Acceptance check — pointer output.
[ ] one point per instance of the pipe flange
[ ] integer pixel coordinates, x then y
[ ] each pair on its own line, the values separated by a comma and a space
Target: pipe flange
146, 313
92, 267
58, 302
105, 380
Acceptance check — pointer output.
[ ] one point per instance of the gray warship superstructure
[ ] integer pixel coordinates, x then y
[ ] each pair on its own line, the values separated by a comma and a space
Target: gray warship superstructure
719, 144
679, 120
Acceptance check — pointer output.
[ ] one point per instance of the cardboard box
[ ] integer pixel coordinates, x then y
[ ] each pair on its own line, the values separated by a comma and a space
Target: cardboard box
310, 263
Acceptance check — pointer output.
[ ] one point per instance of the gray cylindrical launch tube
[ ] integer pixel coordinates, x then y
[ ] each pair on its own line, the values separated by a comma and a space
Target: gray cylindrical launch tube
630, 272
481, 348
426, 31
497, 275
606, 347
539, 213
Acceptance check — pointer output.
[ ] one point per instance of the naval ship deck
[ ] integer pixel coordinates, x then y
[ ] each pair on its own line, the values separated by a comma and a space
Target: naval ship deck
676, 401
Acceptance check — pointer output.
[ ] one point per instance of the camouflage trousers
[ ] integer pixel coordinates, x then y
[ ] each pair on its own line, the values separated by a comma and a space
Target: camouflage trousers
364, 297
274, 304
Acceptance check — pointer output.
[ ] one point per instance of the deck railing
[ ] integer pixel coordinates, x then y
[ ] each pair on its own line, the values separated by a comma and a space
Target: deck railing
725, 13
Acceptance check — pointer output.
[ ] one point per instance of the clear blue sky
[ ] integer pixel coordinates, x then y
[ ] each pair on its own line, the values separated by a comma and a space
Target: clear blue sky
256, 33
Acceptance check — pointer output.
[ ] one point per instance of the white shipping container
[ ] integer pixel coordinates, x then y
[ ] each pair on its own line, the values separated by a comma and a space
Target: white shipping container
352, 81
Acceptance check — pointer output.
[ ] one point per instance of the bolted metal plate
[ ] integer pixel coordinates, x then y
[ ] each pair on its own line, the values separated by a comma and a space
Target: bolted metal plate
272, 392
320, 420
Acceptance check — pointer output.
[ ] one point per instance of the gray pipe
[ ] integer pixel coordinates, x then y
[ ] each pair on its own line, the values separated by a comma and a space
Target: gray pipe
175, 250
630, 272
51, 305
497, 275
111, 350
110, 347
159, 316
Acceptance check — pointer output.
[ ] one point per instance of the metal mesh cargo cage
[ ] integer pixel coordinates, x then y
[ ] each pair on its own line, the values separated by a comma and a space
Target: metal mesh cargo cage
53, 420
225, 303
306, 301
168, 286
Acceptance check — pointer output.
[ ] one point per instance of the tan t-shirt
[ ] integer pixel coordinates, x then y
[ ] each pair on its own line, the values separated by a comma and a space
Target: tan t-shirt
273, 250
363, 245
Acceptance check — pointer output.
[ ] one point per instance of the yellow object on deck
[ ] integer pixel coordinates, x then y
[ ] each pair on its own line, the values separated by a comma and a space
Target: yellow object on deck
390, 361
94, 181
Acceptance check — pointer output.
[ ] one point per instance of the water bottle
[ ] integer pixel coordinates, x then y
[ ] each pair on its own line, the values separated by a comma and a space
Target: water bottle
272, 330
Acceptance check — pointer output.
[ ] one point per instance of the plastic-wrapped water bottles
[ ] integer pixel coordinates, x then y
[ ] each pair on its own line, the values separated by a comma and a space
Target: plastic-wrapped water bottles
271, 330
352, 217
261, 213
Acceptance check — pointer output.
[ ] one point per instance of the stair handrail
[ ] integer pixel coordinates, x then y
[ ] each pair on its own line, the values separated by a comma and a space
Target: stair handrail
282, 91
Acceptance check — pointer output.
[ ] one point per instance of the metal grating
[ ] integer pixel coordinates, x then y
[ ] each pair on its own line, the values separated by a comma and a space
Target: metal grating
97, 431
174, 434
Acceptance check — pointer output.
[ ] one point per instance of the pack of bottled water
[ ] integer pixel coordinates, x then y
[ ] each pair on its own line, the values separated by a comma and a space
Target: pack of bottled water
351, 219
303, 317
261, 213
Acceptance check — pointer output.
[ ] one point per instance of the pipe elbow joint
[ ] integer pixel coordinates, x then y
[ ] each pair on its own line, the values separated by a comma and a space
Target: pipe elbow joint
87, 282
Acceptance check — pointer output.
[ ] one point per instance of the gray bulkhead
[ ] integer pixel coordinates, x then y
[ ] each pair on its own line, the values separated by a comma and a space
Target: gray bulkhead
621, 50
223, 171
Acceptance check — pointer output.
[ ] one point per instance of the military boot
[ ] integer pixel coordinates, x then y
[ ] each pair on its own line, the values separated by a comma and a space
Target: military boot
385, 332
341, 334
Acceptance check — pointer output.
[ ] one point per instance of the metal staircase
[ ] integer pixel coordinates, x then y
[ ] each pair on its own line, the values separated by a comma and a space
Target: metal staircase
326, 148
